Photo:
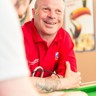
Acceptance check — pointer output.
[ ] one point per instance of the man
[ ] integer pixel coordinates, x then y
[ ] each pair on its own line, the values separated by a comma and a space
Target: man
49, 47
23, 9
47, 44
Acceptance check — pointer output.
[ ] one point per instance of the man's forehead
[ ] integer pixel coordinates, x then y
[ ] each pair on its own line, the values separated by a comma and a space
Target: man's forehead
45, 3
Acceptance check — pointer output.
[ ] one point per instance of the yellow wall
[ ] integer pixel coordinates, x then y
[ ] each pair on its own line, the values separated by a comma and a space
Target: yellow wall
87, 65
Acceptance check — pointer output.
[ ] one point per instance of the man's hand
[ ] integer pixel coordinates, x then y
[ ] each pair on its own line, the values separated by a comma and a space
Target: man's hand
73, 78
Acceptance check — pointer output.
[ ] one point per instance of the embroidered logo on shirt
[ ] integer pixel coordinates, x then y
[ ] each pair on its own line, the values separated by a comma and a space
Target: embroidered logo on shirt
56, 55
33, 62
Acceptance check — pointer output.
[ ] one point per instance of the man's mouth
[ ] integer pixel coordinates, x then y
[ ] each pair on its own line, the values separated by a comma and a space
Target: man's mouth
49, 22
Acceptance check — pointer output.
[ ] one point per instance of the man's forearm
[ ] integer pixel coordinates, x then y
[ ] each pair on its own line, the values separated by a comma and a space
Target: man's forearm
47, 84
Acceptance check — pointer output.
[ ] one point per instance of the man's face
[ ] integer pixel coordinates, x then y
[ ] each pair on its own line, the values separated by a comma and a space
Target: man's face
48, 16
21, 7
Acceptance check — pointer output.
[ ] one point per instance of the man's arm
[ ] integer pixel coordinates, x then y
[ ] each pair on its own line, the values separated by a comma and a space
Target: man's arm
46, 84
71, 80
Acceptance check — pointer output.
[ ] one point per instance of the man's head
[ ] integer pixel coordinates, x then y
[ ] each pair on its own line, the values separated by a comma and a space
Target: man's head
21, 7
48, 16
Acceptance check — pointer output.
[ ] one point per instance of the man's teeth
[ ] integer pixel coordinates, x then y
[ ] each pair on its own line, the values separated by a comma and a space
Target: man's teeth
50, 23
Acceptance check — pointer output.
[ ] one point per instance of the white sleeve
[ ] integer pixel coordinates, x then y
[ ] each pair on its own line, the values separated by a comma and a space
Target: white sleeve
12, 54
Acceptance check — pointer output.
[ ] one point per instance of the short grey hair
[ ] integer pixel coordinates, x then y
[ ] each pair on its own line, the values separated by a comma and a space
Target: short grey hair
36, 2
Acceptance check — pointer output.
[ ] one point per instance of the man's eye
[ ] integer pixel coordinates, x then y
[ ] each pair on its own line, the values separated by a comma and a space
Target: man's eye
45, 8
58, 11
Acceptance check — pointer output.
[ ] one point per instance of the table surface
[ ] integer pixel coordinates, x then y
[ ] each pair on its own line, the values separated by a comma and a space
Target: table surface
89, 88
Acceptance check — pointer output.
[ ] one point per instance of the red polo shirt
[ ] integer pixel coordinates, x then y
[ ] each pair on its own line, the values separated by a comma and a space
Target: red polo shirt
51, 58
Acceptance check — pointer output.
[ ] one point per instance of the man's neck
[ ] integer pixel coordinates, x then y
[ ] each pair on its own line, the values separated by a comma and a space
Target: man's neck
48, 38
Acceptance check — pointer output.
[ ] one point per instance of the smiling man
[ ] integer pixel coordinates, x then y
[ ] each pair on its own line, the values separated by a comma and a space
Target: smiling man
46, 42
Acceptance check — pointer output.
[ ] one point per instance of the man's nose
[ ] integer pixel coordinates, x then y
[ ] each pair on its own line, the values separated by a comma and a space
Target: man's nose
52, 14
